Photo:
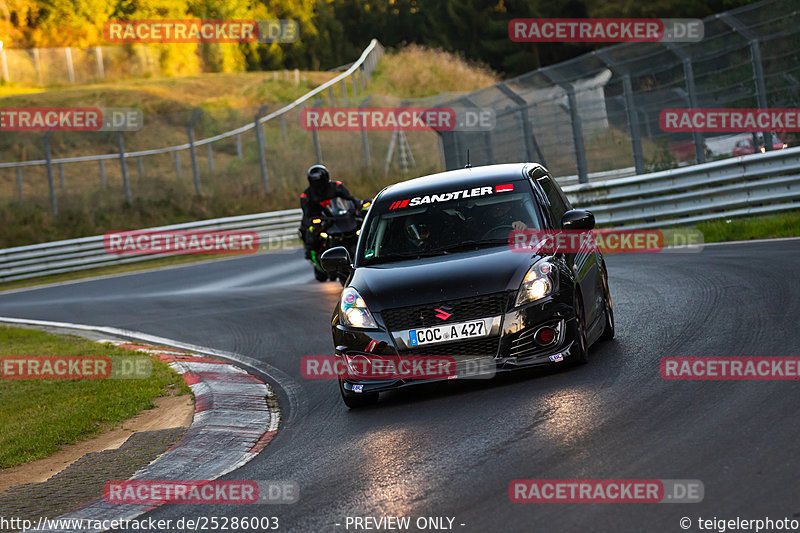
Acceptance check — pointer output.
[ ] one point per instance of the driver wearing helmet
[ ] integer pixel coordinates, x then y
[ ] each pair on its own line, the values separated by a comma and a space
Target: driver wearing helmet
504, 214
319, 193
417, 232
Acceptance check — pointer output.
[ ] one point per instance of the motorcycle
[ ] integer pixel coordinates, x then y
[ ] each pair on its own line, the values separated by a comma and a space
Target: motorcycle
338, 225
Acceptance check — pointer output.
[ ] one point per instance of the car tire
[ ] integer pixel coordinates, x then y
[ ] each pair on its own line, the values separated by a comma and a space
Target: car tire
362, 400
608, 329
581, 355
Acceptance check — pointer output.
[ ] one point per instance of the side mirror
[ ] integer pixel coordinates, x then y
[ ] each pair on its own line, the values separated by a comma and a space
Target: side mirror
577, 219
336, 260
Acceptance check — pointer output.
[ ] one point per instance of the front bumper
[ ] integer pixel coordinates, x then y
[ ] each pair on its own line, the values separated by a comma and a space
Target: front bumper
510, 346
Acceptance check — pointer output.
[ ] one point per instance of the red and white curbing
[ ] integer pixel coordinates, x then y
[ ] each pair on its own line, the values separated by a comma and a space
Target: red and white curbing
236, 416
223, 393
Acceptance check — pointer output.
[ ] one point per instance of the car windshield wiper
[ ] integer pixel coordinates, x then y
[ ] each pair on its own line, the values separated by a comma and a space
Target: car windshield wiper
400, 256
459, 247
470, 245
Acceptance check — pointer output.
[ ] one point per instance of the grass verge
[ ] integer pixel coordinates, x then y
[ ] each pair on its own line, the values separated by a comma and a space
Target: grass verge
39, 416
749, 228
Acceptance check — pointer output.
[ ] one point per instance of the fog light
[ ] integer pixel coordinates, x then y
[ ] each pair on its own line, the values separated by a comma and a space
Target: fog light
545, 336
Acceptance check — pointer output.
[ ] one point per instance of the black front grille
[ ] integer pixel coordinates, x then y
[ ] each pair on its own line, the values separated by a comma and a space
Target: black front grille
484, 347
463, 309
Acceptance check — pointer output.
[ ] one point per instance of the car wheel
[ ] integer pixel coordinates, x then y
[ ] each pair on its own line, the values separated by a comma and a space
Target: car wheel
581, 355
608, 330
361, 400
319, 275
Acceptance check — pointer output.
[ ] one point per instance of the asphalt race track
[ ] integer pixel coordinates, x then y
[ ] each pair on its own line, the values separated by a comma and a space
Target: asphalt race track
451, 450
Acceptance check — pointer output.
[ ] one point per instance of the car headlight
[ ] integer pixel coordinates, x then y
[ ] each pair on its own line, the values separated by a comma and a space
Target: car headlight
540, 281
354, 311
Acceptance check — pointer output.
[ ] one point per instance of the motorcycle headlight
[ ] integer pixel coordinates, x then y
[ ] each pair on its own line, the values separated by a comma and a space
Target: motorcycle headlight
540, 281
354, 311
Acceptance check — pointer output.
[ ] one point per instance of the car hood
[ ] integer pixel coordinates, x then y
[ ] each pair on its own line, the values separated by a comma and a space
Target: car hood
436, 279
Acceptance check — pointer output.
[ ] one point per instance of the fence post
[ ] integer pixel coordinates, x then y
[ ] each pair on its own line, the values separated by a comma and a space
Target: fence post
758, 68
575, 119
284, 136
344, 92
577, 135
315, 136
18, 172
633, 123
699, 141
262, 158
70, 69
688, 74
37, 65
531, 146
4, 64
193, 155
102, 165
487, 135
296, 77
98, 54
140, 166
364, 139
61, 176
238, 147
630, 109
210, 157
124, 167
354, 82
51, 187
177, 164
331, 97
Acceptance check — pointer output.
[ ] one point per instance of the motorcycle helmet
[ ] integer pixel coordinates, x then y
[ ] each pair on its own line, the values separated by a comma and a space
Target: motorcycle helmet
318, 178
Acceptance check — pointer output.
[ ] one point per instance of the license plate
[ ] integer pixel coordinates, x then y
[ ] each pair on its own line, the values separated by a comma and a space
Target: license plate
449, 332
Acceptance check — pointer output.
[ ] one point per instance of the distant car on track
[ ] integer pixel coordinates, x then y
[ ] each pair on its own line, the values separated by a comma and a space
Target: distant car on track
745, 146
434, 275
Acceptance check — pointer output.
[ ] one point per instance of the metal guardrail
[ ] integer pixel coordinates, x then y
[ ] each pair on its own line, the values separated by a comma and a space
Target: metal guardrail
597, 176
751, 184
275, 230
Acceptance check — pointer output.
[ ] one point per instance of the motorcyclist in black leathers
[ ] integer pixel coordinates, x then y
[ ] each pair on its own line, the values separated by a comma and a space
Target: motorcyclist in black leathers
319, 193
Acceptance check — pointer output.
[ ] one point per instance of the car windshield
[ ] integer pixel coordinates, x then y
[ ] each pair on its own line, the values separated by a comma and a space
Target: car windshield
447, 227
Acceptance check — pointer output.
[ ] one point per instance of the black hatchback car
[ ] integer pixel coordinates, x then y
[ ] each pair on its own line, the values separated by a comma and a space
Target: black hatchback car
433, 257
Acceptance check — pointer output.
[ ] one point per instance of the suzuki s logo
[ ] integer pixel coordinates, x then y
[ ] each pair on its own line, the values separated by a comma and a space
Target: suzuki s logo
442, 314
